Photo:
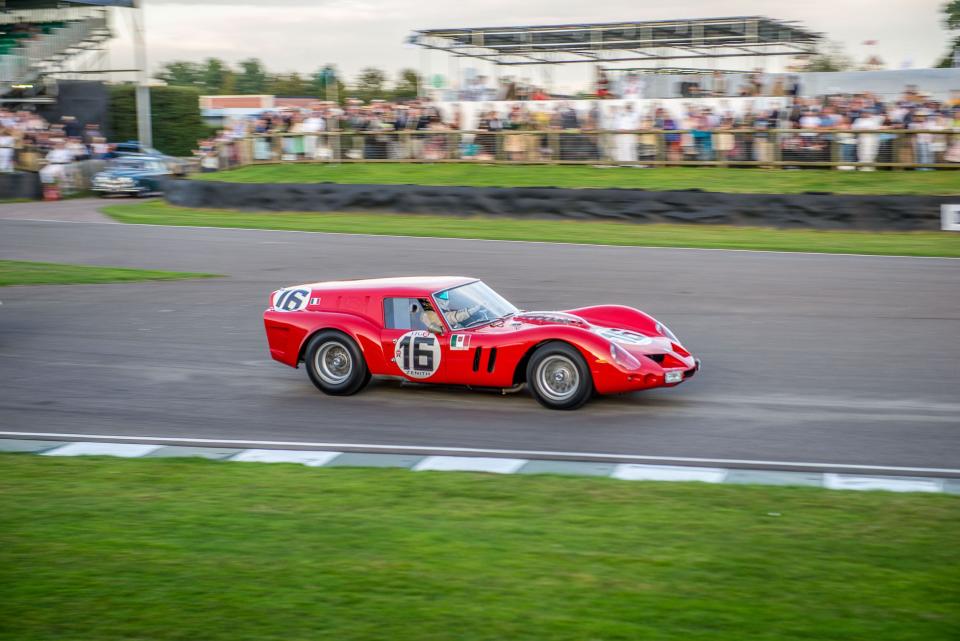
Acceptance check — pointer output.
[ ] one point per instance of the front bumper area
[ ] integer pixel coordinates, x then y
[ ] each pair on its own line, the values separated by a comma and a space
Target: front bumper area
608, 378
117, 190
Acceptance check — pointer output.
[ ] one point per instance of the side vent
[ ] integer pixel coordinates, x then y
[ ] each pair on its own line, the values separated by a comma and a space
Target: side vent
476, 359
493, 360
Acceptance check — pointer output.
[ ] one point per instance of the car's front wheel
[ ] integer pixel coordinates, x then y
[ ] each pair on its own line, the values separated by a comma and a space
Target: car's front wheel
335, 363
558, 376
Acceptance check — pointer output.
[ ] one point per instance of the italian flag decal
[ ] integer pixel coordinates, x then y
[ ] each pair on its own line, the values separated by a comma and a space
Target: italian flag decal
460, 341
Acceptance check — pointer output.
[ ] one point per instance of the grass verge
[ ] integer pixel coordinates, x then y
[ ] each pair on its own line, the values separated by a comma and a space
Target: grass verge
23, 272
101, 549
718, 179
558, 231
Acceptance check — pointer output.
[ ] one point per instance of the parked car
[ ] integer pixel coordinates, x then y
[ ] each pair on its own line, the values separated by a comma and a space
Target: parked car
177, 166
457, 330
132, 175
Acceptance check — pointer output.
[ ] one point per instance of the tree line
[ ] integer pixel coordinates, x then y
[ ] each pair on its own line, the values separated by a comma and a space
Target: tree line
951, 13
216, 77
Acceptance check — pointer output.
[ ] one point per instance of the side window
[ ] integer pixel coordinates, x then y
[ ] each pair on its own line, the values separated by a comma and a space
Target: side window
403, 313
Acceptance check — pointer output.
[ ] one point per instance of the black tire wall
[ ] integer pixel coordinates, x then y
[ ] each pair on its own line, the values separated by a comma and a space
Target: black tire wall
813, 211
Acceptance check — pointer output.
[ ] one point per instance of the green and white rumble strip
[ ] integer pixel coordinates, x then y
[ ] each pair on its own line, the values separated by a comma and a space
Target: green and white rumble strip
491, 465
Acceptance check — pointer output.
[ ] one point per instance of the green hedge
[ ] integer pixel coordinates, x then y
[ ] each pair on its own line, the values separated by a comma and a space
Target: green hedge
175, 111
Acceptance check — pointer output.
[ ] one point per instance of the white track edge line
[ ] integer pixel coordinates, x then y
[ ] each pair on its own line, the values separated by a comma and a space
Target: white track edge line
471, 450
477, 240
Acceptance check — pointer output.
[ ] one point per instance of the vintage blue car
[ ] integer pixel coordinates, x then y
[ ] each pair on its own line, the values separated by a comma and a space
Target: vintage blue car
133, 175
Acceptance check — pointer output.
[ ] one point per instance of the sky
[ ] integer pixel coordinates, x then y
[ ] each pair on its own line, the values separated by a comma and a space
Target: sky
303, 35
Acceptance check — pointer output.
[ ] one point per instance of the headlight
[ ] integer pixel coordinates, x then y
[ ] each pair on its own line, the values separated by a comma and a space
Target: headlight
623, 358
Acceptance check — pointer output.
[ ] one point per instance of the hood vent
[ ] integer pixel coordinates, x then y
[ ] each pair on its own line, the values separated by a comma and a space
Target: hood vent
551, 318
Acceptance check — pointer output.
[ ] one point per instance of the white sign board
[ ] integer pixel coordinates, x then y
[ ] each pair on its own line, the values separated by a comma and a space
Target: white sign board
950, 217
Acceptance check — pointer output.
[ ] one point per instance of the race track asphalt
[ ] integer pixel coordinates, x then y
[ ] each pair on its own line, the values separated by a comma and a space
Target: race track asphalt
807, 358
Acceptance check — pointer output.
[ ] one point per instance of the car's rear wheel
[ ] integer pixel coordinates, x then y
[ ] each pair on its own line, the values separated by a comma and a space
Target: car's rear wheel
335, 363
558, 377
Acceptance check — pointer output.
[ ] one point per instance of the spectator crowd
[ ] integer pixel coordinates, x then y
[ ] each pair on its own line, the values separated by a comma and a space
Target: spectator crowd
842, 128
28, 141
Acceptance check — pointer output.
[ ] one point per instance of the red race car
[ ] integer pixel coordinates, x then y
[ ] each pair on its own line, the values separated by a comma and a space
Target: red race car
456, 330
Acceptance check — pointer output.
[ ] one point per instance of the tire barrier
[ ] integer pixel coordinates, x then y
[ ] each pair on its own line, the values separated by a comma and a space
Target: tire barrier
19, 184
808, 210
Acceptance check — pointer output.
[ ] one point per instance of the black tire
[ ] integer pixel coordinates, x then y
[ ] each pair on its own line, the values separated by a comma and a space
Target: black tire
554, 390
324, 359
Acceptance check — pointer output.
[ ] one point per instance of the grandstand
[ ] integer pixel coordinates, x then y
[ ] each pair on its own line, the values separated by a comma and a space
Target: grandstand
40, 38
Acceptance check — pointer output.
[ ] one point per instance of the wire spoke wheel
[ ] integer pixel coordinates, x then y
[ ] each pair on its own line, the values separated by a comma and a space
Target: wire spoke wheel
558, 378
333, 363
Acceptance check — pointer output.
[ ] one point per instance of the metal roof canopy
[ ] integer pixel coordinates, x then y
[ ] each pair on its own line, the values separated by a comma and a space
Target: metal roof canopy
676, 71
624, 41
26, 5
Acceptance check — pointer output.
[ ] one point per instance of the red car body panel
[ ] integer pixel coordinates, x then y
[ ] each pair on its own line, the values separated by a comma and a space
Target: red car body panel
491, 355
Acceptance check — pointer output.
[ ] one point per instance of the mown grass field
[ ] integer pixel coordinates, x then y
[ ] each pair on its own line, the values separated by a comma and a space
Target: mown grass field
22, 272
666, 178
560, 231
105, 549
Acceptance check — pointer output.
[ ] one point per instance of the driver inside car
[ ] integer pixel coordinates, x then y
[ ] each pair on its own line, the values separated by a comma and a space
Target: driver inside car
429, 318
455, 317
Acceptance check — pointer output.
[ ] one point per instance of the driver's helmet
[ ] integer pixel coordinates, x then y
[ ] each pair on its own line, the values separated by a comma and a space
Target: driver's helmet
443, 301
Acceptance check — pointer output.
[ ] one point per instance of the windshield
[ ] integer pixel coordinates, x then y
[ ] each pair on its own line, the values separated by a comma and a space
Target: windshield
471, 305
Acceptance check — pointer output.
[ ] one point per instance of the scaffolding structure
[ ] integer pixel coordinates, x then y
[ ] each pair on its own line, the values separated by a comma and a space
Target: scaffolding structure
653, 42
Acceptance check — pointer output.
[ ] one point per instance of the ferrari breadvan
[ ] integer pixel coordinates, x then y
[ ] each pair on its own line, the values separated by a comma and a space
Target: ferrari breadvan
458, 331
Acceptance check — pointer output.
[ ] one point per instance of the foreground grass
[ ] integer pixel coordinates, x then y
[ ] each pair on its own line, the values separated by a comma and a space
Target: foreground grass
560, 231
22, 272
666, 178
164, 549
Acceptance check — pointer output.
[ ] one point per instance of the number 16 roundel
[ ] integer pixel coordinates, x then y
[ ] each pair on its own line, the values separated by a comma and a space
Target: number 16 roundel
418, 354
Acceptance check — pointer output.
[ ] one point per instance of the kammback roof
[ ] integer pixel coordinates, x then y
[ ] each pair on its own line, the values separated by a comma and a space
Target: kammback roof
621, 41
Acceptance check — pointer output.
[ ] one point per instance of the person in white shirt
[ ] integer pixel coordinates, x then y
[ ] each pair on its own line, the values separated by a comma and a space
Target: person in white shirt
868, 144
77, 149
810, 120
634, 86
7, 144
311, 126
100, 148
58, 159
625, 147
